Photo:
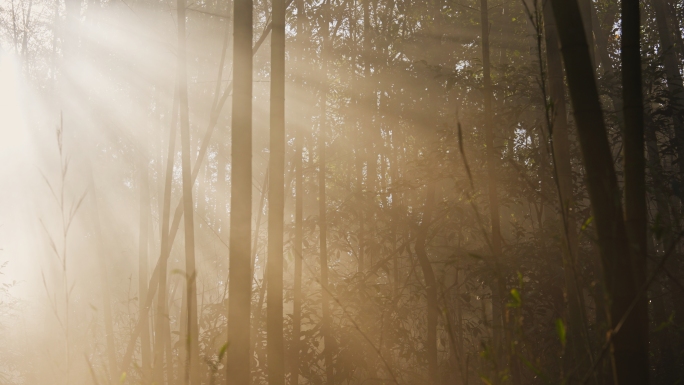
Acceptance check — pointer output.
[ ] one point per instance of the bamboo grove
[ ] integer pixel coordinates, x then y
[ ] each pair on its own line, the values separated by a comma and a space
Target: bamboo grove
341, 192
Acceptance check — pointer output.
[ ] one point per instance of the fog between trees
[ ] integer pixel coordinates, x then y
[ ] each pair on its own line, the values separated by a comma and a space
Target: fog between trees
341, 192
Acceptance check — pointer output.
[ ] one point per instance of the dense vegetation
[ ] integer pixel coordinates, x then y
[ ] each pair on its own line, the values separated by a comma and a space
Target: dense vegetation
341, 192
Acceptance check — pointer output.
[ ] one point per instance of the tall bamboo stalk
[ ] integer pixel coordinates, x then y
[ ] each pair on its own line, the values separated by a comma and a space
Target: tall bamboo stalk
240, 284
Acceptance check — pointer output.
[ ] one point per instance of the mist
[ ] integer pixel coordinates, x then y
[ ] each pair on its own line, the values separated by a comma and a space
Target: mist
341, 192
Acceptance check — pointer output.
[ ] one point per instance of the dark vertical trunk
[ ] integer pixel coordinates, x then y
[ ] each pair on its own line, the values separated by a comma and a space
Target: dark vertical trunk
576, 349
655, 167
192, 343
667, 369
430, 284
619, 277
276, 200
322, 220
240, 285
636, 220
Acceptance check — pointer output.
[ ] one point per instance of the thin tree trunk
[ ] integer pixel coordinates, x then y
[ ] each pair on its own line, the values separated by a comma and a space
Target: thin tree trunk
430, 284
667, 371
192, 343
162, 338
240, 279
222, 223
322, 220
369, 98
491, 172
658, 179
299, 224
459, 328
636, 220
604, 193
574, 357
183, 336
143, 267
256, 322
276, 201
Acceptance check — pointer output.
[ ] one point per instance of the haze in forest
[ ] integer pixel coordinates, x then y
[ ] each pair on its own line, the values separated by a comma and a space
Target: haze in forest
341, 192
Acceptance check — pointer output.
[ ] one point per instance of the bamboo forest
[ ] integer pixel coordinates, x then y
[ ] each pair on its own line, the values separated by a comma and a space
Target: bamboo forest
341, 192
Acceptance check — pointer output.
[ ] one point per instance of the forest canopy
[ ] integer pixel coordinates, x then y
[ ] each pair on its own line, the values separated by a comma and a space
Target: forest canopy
341, 192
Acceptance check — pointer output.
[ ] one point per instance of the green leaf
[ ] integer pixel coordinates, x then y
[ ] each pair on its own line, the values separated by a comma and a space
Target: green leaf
516, 301
122, 379
223, 350
561, 331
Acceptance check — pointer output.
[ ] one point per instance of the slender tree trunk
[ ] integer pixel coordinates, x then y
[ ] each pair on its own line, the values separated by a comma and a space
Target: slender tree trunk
459, 329
240, 285
667, 372
299, 224
276, 201
491, 172
430, 284
162, 337
221, 188
576, 351
192, 343
298, 256
368, 125
394, 207
143, 267
620, 282
257, 313
181, 369
636, 220
322, 220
